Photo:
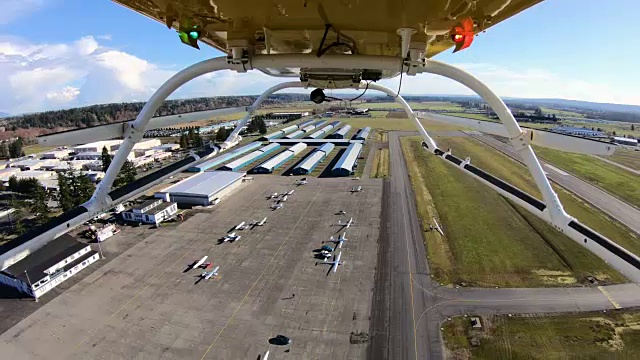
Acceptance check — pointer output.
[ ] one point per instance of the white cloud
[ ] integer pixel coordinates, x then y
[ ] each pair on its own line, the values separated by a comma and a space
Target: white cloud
15, 9
36, 77
104, 37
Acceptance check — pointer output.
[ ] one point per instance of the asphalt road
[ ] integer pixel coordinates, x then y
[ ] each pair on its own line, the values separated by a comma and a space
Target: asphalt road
616, 208
417, 305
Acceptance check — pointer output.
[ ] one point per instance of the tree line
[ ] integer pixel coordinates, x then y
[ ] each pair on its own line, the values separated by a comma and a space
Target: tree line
11, 149
108, 113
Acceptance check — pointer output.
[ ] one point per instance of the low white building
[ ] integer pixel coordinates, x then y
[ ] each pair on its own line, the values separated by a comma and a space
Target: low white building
56, 154
161, 156
625, 141
48, 266
203, 188
167, 147
29, 164
152, 211
113, 145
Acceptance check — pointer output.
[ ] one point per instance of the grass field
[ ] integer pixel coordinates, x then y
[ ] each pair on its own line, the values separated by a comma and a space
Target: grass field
617, 181
561, 113
380, 166
473, 116
574, 336
627, 158
502, 166
505, 246
392, 124
431, 105
32, 149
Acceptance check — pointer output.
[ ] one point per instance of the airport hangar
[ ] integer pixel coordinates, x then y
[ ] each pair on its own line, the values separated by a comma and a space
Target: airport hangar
202, 188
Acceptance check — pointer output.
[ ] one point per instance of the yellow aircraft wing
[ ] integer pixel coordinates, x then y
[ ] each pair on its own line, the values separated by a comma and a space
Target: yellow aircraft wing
366, 27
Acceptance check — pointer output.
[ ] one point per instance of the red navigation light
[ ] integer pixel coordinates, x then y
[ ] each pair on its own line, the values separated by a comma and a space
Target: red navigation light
462, 34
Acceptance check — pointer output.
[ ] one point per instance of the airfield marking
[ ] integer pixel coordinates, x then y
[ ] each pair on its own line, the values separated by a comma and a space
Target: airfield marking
606, 293
261, 274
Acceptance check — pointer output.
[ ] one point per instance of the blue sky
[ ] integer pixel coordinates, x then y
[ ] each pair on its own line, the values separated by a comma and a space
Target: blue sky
63, 53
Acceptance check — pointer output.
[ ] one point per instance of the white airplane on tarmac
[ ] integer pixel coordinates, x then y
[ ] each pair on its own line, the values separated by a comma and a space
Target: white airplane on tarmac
198, 263
334, 264
276, 206
259, 223
342, 238
240, 226
208, 274
302, 181
284, 199
347, 224
272, 196
231, 237
356, 189
290, 192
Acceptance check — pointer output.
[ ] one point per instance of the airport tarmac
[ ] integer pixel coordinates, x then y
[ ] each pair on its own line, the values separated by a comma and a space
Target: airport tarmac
142, 305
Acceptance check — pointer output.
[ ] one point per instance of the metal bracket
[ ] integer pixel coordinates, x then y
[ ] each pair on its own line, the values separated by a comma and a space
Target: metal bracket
521, 141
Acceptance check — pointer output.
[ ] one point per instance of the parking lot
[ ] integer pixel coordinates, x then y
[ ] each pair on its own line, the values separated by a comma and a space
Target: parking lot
142, 304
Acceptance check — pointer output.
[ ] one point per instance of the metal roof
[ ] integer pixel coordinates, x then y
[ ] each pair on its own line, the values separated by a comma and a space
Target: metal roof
337, 142
297, 148
308, 128
334, 123
326, 148
316, 134
226, 156
269, 147
289, 129
295, 134
247, 158
303, 124
276, 160
312, 160
205, 183
348, 158
320, 123
343, 130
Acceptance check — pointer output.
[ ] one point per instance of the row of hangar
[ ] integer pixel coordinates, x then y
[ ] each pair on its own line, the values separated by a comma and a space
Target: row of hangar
244, 156
316, 130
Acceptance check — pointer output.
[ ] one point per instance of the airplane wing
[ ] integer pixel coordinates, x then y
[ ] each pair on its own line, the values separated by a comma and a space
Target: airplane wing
291, 27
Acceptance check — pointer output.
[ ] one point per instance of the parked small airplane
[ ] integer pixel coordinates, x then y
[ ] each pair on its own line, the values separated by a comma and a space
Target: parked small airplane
346, 224
259, 223
208, 274
240, 226
284, 199
342, 238
341, 212
302, 181
356, 189
334, 264
290, 192
272, 196
231, 237
198, 263
277, 206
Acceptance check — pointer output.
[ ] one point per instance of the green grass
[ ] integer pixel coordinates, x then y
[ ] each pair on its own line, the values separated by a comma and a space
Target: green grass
574, 336
394, 124
503, 167
380, 166
504, 245
561, 113
32, 149
615, 180
430, 105
627, 158
473, 116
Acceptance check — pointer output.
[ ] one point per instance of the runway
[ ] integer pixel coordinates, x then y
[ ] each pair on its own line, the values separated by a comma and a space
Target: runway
614, 207
416, 305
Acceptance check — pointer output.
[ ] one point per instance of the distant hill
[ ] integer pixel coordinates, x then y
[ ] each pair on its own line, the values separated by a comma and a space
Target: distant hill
584, 105
4, 115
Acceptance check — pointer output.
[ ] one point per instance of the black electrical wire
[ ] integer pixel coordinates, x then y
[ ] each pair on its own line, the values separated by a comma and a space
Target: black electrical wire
359, 96
399, 85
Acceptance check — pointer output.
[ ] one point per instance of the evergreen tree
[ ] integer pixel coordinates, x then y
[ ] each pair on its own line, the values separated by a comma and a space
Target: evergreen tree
198, 140
183, 141
39, 205
13, 183
126, 175
221, 134
74, 189
191, 136
15, 148
262, 127
4, 150
633, 128
16, 216
106, 159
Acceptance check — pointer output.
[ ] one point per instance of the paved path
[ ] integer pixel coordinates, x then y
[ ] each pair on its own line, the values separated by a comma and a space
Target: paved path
616, 208
616, 164
417, 305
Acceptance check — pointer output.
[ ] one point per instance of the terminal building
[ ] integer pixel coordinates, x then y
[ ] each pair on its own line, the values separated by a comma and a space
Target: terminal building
50, 265
203, 188
348, 160
152, 211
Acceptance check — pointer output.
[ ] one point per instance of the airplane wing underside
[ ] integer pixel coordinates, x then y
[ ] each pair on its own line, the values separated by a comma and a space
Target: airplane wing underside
299, 26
